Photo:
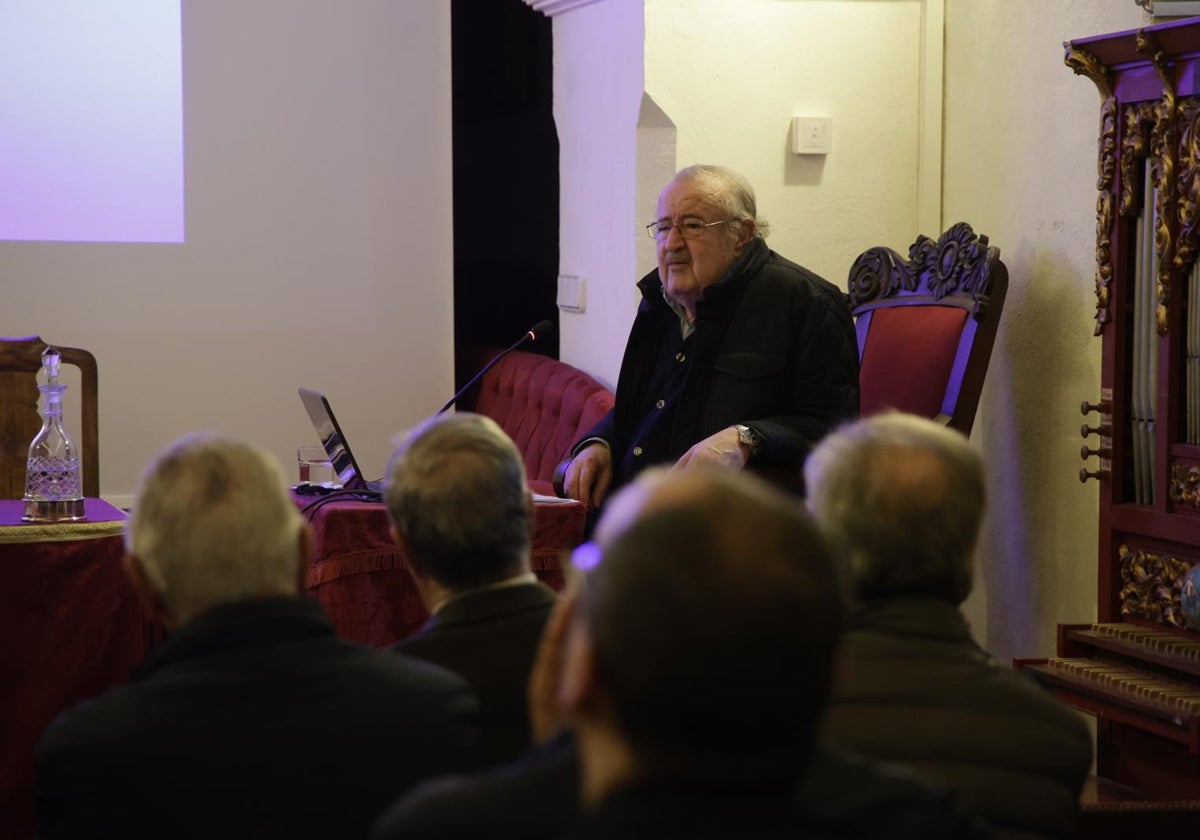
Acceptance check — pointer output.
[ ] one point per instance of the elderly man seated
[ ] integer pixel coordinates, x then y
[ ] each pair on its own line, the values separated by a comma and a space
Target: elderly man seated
737, 356
901, 499
253, 719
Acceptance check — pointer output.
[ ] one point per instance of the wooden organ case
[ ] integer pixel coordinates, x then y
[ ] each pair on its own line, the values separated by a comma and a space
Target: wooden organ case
1138, 669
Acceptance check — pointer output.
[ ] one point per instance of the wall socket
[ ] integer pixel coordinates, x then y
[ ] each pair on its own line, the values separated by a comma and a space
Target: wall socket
812, 135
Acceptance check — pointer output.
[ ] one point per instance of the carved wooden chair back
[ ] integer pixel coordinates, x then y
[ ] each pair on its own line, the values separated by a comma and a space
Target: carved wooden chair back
20, 361
926, 325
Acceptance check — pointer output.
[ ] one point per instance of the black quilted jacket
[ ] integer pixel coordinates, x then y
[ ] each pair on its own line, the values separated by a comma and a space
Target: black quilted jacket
774, 348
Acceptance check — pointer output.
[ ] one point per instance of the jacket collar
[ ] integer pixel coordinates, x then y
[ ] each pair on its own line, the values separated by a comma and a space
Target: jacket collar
912, 616
486, 604
240, 625
729, 286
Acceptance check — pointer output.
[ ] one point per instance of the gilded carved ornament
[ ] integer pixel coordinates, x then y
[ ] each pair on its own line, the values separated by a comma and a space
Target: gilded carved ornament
1105, 168
1137, 122
1187, 188
1151, 585
1163, 151
1184, 488
1086, 64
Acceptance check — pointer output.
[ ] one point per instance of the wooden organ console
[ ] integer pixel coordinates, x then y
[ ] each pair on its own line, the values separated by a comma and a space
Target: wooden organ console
1138, 668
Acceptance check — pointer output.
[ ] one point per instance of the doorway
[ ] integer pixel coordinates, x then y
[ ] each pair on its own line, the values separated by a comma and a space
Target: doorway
505, 177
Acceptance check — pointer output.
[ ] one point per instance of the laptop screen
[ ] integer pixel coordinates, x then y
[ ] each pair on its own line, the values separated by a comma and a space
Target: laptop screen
330, 433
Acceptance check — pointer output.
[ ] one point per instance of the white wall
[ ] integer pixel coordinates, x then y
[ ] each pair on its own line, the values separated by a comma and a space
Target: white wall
597, 98
319, 241
731, 74
728, 75
1020, 165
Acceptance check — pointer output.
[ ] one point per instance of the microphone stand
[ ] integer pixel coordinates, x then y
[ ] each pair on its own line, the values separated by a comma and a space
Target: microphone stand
530, 335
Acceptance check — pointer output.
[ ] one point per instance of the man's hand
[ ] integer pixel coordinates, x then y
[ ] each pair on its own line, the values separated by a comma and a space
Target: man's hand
721, 449
590, 473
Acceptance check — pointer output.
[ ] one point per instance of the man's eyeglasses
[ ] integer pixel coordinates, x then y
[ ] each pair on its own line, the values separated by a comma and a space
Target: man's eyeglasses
688, 228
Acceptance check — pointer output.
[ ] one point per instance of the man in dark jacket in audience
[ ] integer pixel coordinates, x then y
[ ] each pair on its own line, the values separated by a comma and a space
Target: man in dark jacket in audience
462, 512
253, 719
901, 500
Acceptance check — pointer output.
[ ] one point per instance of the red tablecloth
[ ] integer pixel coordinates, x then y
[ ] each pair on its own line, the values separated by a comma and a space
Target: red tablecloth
364, 582
72, 627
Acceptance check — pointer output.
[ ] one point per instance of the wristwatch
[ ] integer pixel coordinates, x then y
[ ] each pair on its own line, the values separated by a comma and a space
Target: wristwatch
749, 438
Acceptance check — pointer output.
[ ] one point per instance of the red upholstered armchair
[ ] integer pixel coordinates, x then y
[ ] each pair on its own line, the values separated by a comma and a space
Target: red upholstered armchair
544, 405
926, 325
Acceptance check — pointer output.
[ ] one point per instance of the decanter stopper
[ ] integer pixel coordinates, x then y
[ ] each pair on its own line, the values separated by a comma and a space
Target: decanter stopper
52, 479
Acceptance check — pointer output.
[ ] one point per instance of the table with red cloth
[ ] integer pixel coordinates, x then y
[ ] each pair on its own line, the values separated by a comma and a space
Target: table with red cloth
72, 626
364, 583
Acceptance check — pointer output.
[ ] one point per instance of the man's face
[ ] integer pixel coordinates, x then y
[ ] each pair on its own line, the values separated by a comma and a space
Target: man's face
687, 266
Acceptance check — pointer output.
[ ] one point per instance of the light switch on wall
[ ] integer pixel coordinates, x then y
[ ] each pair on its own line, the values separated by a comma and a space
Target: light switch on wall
812, 135
571, 293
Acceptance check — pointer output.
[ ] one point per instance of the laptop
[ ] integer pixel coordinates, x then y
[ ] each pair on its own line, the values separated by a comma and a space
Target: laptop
336, 446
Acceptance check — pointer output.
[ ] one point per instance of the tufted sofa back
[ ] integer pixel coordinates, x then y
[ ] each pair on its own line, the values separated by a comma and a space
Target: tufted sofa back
544, 405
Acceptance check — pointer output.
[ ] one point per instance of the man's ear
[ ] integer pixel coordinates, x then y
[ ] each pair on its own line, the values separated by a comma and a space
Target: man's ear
398, 539
304, 552
405, 550
579, 687
530, 509
150, 597
747, 228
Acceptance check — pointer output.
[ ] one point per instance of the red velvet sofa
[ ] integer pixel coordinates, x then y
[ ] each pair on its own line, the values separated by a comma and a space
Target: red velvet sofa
544, 405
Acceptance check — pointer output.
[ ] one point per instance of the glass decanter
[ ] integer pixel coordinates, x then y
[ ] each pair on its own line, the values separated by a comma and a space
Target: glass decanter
52, 479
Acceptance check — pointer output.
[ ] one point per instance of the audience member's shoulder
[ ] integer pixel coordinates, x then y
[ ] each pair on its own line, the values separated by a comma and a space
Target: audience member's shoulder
1020, 686
93, 726
535, 797
407, 668
405, 677
860, 797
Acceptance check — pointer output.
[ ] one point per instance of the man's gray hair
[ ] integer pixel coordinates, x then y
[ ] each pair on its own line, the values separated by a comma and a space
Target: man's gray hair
901, 499
731, 192
456, 493
214, 523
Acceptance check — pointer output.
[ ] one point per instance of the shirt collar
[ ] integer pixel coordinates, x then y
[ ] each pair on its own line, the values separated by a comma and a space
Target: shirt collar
516, 580
686, 327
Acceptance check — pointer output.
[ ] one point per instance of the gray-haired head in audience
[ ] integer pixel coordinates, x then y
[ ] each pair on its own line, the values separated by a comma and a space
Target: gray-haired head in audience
900, 499
213, 523
457, 497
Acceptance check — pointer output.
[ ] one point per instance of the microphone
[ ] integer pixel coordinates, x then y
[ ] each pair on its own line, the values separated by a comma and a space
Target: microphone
539, 330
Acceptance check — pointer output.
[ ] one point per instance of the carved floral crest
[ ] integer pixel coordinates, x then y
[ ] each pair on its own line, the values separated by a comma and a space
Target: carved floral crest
958, 262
